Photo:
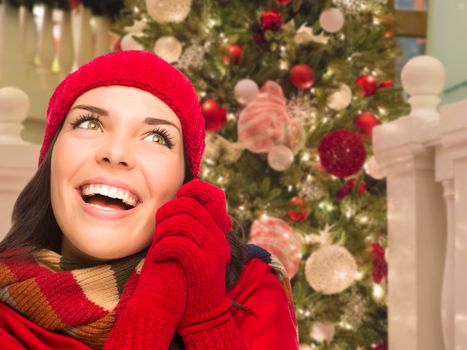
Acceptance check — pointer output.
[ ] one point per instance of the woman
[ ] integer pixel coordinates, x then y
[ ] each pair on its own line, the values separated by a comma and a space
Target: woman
116, 244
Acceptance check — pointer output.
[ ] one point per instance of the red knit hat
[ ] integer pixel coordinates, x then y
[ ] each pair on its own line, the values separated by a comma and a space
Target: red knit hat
143, 70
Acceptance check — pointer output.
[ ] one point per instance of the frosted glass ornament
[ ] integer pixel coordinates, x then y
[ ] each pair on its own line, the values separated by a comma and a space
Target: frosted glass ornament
331, 269
280, 157
246, 90
332, 20
341, 98
322, 331
129, 43
166, 11
168, 48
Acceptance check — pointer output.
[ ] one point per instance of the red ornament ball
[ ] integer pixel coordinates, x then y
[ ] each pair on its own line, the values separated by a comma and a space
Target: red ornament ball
368, 84
271, 20
380, 265
342, 153
300, 210
234, 53
214, 115
283, 2
387, 83
366, 121
348, 187
302, 76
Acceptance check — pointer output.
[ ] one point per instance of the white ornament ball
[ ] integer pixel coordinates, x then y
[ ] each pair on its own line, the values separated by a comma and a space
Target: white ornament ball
331, 269
332, 20
323, 331
166, 11
280, 157
129, 43
374, 170
246, 90
341, 98
168, 48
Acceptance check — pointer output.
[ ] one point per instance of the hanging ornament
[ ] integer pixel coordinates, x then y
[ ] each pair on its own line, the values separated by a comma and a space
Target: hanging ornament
168, 48
277, 237
167, 11
355, 310
322, 331
331, 269
234, 53
283, 2
373, 169
214, 115
192, 56
128, 42
386, 84
342, 153
348, 187
367, 84
246, 90
302, 76
280, 158
366, 121
341, 98
331, 20
305, 35
301, 107
271, 20
380, 266
300, 209
262, 123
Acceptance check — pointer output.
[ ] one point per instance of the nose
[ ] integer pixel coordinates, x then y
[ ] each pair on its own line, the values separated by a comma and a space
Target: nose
115, 151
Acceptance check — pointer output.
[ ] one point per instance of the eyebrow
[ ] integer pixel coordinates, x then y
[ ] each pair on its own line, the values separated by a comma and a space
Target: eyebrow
148, 120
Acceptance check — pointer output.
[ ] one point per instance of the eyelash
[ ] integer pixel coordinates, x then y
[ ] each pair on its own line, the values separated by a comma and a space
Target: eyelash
89, 117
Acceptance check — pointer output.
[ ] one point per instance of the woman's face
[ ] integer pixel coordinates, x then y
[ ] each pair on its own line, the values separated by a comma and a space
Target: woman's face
121, 142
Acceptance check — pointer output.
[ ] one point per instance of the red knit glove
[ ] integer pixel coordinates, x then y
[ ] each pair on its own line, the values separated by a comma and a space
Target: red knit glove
192, 230
153, 311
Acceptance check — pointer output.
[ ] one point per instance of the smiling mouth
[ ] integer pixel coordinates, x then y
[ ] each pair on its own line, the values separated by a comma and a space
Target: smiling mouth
98, 200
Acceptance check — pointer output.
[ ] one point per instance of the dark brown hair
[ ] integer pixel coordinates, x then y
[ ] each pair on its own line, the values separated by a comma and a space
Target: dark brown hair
34, 225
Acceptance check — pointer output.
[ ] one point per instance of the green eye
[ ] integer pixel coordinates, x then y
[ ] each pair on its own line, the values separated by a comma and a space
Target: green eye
90, 124
156, 138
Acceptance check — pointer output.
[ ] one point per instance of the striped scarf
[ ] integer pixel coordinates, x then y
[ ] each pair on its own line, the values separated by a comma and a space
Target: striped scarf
82, 301
66, 296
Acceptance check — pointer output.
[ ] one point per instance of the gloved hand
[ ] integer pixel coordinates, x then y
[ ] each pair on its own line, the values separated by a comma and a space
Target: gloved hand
191, 229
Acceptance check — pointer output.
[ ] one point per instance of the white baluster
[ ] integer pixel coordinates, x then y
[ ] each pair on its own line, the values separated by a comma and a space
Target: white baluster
65, 49
102, 44
46, 44
452, 170
28, 33
14, 108
416, 212
82, 35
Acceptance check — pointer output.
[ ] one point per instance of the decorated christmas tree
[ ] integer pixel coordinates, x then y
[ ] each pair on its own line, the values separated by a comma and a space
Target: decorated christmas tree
291, 90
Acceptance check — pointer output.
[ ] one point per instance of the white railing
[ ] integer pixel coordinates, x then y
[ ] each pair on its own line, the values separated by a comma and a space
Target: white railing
424, 156
35, 57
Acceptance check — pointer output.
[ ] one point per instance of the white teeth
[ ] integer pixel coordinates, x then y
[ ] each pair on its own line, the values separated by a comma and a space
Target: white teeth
110, 191
113, 192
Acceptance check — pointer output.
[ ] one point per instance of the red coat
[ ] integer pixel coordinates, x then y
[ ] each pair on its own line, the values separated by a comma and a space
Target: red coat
271, 327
